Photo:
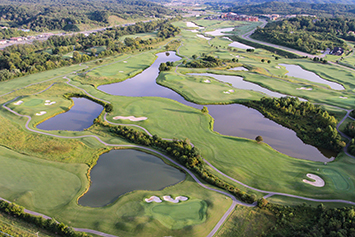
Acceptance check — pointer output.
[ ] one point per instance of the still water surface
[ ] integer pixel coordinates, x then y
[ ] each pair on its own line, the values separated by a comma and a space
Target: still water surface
78, 118
120, 171
297, 71
234, 120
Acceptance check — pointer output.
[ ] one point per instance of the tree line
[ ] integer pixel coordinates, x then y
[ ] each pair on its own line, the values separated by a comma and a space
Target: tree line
20, 60
44, 15
182, 151
307, 221
311, 123
341, 8
48, 224
307, 34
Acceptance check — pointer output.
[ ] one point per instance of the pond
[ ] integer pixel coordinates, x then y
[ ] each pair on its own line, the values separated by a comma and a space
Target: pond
78, 118
239, 83
233, 120
240, 45
219, 32
297, 71
203, 37
191, 24
121, 171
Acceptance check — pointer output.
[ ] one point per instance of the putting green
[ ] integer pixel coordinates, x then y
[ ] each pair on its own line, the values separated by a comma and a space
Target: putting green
338, 180
33, 102
178, 215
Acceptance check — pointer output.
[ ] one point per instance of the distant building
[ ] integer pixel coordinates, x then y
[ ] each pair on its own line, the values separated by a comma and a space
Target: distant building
337, 51
2, 42
17, 39
272, 17
25, 30
235, 17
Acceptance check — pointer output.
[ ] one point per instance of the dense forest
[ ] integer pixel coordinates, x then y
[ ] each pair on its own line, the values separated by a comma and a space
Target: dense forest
20, 60
253, 3
43, 15
311, 123
307, 221
308, 34
335, 9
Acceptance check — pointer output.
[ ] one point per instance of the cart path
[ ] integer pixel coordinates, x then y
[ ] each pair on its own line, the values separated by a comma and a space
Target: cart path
234, 200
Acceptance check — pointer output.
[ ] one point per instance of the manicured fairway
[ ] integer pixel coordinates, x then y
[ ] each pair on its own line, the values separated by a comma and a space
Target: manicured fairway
178, 215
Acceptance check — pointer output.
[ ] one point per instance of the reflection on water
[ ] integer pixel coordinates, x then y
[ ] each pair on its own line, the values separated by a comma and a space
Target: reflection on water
234, 120
297, 71
239, 83
79, 117
120, 171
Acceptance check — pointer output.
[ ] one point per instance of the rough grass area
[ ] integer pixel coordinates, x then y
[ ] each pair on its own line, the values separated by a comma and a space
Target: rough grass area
15, 227
247, 221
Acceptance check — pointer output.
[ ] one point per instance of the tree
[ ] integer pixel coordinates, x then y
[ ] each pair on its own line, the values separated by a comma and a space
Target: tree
204, 110
194, 56
262, 60
259, 139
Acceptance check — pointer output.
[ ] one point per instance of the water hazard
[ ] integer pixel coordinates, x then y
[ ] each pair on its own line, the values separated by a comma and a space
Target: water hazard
297, 71
234, 120
120, 171
78, 118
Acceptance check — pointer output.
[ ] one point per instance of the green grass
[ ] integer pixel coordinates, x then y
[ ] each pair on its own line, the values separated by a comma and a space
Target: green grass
144, 36
247, 221
178, 215
16, 227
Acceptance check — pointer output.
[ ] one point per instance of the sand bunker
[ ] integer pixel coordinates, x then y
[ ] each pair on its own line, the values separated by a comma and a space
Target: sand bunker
18, 102
125, 61
48, 102
41, 113
231, 91
226, 92
153, 199
121, 71
131, 118
319, 182
176, 200
277, 67
342, 97
207, 81
194, 31
304, 88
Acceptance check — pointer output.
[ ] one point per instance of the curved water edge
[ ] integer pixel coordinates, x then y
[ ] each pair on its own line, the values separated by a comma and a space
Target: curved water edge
238, 82
121, 171
234, 119
81, 116
299, 72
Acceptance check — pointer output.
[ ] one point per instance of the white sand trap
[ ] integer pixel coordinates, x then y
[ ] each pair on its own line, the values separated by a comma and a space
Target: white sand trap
125, 61
194, 31
277, 67
41, 113
176, 200
18, 102
121, 71
47, 101
319, 182
50, 103
231, 91
342, 97
226, 38
131, 118
207, 81
226, 92
153, 199
304, 88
